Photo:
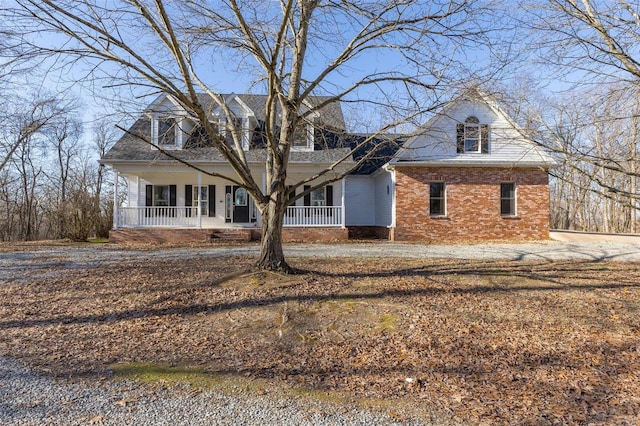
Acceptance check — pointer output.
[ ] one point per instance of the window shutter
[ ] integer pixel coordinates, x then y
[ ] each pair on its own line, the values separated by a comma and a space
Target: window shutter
188, 195
188, 199
484, 138
460, 138
292, 194
148, 195
172, 195
307, 198
212, 200
329, 194
329, 199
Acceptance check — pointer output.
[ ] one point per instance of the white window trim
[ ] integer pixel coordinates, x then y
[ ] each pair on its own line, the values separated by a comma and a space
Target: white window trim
310, 140
196, 201
478, 128
444, 199
324, 197
177, 128
221, 122
515, 200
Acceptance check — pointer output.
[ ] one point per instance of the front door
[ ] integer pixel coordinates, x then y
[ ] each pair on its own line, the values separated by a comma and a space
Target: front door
240, 205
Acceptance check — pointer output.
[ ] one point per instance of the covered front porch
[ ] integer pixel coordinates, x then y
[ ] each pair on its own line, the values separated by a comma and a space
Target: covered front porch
179, 198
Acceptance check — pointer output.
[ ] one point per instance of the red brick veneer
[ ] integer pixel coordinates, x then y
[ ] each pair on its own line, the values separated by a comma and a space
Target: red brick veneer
317, 235
473, 204
178, 236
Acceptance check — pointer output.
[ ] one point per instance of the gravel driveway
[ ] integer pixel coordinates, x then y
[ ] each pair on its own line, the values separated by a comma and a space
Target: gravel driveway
27, 398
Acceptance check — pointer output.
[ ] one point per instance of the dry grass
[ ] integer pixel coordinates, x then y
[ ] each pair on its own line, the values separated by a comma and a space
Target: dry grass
480, 342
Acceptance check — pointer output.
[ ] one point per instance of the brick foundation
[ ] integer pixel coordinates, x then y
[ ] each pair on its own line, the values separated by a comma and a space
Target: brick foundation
187, 236
473, 205
368, 232
314, 235
158, 236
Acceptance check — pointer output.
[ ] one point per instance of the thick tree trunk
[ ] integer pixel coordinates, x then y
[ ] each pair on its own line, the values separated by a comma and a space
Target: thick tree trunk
271, 252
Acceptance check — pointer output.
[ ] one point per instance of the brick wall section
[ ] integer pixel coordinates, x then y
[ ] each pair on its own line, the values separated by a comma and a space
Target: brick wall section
158, 236
473, 205
314, 235
368, 232
178, 236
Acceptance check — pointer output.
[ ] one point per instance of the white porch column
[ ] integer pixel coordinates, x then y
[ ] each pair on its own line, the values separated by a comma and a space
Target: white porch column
199, 194
393, 197
115, 199
342, 199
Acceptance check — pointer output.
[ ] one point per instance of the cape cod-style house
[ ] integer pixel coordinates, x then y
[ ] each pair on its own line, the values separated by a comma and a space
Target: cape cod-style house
468, 175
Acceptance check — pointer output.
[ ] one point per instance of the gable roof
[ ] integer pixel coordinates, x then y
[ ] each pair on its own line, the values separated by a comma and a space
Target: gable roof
435, 142
131, 147
330, 115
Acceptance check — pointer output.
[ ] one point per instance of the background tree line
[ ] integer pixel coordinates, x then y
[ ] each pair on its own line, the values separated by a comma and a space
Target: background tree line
51, 185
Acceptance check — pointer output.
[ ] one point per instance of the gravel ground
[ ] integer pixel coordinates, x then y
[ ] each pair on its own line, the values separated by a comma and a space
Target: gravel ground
27, 398
30, 399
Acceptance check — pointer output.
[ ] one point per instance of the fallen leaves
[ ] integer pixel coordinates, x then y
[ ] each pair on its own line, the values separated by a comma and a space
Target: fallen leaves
479, 341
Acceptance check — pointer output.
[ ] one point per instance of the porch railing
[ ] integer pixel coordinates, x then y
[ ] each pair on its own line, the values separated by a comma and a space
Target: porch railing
152, 217
313, 216
158, 216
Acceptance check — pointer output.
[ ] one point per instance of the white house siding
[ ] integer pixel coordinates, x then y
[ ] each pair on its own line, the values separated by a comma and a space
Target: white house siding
438, 143
295, 177
360, 201
180, 180
132, 191
384, 198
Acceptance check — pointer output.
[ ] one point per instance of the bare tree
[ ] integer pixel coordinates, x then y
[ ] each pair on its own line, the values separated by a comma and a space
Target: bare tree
592, 49
595, 137
64, 140
594, 40
296, 49
21, 121
105, 137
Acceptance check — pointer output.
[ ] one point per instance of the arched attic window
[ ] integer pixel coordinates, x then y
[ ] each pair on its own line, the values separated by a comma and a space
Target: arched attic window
472, 136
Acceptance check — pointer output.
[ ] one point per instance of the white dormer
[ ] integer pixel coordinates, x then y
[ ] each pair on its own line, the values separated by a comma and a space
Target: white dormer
304, 137
243, 118
170, 126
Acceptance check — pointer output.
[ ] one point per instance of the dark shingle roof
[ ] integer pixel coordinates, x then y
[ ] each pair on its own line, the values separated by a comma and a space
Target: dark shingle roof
132, 147
330, 115
331, 142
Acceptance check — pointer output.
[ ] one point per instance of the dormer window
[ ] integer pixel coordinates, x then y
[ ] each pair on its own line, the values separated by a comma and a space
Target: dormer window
303, 137
165, 131
472, 136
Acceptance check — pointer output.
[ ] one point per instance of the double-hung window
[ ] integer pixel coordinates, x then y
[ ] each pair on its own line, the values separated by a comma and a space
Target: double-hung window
201, 199
437, 199
166, 131
508, 199
318, 198
472, 136
161, 195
